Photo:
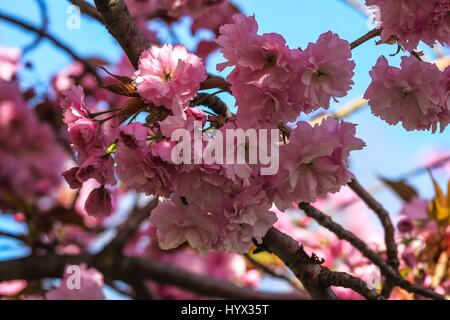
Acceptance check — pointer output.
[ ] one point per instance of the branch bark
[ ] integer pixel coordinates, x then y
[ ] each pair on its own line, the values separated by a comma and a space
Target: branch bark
128, 269
389, 230
88, 10
122, 27
316, 279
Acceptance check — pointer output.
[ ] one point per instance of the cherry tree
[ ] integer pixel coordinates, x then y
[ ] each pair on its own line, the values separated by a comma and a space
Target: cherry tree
102, 137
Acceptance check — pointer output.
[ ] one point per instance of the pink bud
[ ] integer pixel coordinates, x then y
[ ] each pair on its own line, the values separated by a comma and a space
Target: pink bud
71, 179
99, 204
196, 114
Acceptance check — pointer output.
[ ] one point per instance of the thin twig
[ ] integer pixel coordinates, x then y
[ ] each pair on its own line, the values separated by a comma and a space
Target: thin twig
122, 27
88, 10
44, 26
389, 230
129, 268
55, 41
369, 35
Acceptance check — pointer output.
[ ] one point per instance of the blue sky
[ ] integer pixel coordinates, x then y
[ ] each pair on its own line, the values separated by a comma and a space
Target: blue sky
390, 151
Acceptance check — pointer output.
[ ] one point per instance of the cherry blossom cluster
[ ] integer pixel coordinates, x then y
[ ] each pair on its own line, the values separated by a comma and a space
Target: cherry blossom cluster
31, 159
272, 83
412, 21
415, 94
214, 206
205, 14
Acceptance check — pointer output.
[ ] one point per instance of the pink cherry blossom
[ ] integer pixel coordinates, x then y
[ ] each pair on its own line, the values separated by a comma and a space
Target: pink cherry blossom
13, 287
314, 162
139, 166
169, 73
73, 104
9, 62
414, 20
327, 70
178, 223
412, 94
31, 159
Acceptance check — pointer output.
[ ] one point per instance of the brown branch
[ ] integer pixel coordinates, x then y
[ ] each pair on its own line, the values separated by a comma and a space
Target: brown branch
123, 28
295, 283
343, 234
12, 236
127, 269
214, 103
389, 230
345, 280
304, 267
369, 35
44, 26
315, 278
55, 41
128, 229
88, 10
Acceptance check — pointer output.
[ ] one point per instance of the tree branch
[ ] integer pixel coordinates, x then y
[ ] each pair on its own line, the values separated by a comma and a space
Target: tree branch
123, 28
316, 279
343, 234
345, 280
128, 269
306, 269
389, 230
369, 35
44, 25
55, 41
88, 10
128, 229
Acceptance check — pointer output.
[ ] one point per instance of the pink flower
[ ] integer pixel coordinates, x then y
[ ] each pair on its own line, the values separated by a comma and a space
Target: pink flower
314, 162
412, 94
142, 8
99, 203
263, 81
249, 217
138, 164
327, 71
84, 134
237, 39
214, 17
98, 167
89, 286
414, 20
179, 222
73, 105
12, 288
9, 62
31, 158
194, 8
71, 179
169, 73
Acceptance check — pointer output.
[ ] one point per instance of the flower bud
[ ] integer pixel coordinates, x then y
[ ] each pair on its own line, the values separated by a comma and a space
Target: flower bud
99, 203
